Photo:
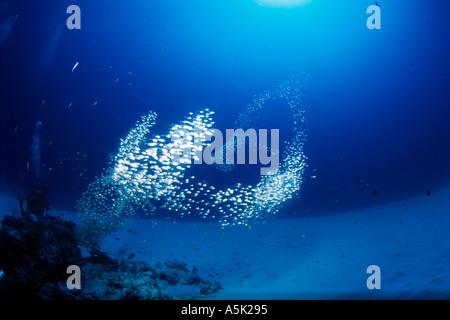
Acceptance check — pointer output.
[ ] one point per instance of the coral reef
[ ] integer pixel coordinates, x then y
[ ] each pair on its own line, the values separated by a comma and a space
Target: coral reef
35, 254
137, 280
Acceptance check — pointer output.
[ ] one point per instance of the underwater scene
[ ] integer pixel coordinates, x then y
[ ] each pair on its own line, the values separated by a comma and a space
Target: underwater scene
224, 150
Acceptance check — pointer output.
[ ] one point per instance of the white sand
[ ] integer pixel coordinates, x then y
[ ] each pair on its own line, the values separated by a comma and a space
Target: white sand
310, 257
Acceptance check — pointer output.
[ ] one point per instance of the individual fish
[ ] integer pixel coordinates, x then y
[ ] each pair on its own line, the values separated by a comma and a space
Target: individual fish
95, 103
70, 104
75, 66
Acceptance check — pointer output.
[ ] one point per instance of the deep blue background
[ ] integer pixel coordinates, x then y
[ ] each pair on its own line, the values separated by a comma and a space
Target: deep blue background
377, 101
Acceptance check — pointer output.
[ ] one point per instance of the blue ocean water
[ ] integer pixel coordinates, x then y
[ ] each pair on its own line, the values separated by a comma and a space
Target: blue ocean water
376, 102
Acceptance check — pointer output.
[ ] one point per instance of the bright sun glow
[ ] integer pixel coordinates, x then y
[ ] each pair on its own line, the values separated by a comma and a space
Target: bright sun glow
282, 3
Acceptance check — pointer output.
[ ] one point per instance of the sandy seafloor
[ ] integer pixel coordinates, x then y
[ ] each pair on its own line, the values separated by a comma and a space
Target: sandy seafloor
309, 257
